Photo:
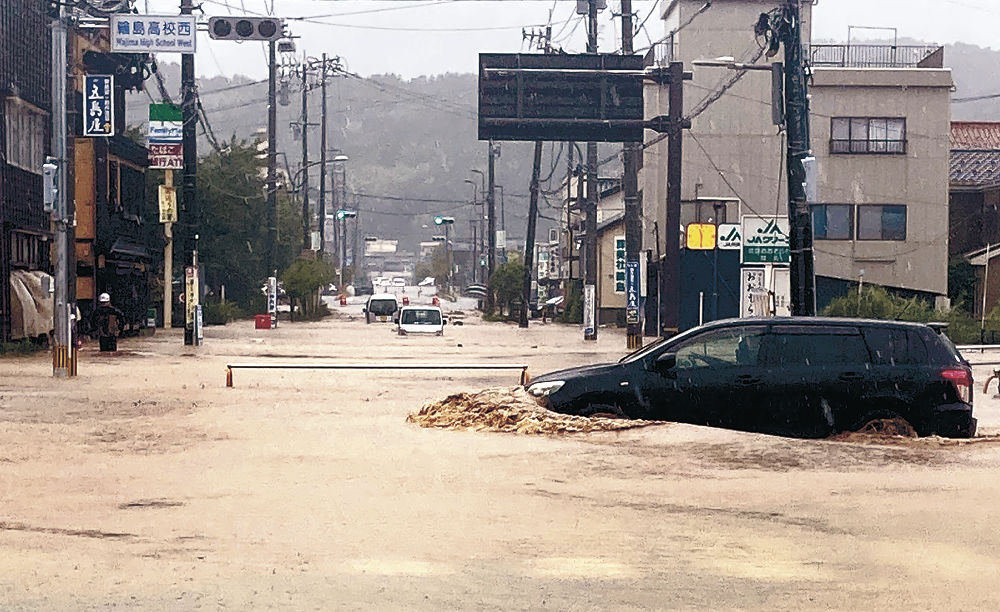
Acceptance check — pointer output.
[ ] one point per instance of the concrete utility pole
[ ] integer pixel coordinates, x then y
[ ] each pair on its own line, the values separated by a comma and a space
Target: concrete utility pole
168, 261
630, 190
306, 243
570, 146
590, 248
529, 241
476, 235
272, 159
190, 189
670, 286
64, 351
491, 220
322, 162
803, 279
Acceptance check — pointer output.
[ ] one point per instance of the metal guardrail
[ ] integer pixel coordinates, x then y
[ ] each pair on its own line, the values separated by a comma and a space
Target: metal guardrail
978, 347
376, 366
869, 56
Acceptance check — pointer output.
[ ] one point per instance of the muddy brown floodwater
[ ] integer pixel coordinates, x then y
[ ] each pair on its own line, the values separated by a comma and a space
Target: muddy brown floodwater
146, 484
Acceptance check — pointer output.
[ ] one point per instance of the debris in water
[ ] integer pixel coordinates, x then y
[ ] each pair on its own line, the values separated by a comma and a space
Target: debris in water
513, 411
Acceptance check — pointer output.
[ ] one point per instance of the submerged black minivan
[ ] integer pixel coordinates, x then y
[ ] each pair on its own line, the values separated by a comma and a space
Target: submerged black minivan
796, 376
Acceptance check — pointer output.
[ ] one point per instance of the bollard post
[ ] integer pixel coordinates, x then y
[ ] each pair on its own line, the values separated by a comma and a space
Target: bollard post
229, 376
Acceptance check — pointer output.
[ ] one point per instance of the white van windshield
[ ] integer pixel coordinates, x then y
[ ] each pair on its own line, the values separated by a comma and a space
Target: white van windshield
420, 316
382, 308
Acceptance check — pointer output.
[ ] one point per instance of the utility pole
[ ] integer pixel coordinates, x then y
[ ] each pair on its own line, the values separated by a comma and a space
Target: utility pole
630, 189
473, 227
168, 261
192, 208
569, 218
272, 159
529, 241
64, 352
491, 221
670, 287
305, 158
590, 255
322, 163
803, 279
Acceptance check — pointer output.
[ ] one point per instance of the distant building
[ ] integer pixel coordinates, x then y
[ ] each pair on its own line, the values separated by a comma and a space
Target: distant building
115, 252
974, 212
879, 122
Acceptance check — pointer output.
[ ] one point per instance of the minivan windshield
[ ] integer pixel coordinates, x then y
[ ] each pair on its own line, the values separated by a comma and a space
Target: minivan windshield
382, 308
649, 348
420, 316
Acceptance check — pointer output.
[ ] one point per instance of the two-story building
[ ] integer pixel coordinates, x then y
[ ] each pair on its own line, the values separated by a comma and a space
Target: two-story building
25, 134
879, 122
118, 241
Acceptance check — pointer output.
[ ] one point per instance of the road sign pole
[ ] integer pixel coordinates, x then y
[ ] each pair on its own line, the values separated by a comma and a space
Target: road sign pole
168, 262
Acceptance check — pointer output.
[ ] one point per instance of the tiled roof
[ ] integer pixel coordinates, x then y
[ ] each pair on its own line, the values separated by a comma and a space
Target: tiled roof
975, 135
975, 168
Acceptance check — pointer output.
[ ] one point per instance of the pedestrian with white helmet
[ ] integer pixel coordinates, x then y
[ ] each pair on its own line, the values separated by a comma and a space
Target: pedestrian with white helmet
108, 321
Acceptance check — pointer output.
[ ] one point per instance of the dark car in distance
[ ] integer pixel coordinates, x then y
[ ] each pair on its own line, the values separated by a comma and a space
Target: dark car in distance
796, 376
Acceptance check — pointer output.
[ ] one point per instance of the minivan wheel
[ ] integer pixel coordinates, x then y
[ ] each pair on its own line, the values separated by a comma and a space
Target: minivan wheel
885, 423
606, 411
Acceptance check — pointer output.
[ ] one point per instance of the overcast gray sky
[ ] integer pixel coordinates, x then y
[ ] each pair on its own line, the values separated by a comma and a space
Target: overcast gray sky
438, 36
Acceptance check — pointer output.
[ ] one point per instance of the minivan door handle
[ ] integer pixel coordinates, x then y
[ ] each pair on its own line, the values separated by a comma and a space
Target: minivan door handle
746, 380
850, 377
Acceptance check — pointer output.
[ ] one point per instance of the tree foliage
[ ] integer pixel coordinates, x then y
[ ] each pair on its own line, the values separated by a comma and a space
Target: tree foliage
233, 236
303, 279
507, 282
875, 302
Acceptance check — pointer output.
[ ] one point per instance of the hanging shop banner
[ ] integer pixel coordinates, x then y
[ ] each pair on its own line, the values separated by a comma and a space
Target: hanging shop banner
152, 33
632, 292
98, 104
589, 310
190, 295
168, 204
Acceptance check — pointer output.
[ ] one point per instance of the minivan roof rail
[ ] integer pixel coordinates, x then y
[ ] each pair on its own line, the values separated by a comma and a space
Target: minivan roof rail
938, 326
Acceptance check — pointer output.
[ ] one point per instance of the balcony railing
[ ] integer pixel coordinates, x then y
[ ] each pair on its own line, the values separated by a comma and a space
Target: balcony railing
876, 56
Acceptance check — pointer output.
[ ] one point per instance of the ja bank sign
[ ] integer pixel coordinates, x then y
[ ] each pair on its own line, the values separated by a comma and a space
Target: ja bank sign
152, 33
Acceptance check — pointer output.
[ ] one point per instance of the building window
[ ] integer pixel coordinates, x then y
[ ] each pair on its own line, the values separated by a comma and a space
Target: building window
833, 221
882, 222
25, 128
868, 135
619, 264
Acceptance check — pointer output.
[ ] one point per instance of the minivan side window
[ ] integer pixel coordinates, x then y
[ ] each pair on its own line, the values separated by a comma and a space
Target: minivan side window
817, 346
733, 346
895, 346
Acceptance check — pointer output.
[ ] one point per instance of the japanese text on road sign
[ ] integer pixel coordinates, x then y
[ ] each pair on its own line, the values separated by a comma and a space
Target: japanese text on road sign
152, 33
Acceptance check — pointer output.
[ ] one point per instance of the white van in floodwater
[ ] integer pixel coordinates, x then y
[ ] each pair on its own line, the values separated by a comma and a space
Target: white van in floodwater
380, 307
421, 320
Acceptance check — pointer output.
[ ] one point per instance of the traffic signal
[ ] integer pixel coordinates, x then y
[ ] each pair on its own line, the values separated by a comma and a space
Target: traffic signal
245, 28
439, 220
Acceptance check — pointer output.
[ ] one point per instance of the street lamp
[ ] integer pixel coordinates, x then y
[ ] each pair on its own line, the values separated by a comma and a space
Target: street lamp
482, 213
446, 222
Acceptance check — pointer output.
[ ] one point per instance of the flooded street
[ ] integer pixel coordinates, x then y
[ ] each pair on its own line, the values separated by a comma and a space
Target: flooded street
145, 483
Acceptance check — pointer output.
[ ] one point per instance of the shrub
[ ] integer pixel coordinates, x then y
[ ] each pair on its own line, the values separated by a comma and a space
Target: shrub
19, 348
220, 313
